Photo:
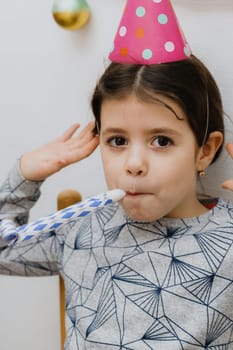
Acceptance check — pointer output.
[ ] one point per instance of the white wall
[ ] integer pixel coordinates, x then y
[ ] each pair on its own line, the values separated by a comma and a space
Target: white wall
46, 79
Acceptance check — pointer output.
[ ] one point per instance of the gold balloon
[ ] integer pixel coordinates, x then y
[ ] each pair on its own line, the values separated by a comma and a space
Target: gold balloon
71, 14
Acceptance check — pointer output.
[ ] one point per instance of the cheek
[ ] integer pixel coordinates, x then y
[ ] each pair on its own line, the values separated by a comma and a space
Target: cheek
111, 170
176, 171
111, 177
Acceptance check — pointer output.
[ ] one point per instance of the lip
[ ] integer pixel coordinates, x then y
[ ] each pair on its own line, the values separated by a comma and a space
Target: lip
134, 194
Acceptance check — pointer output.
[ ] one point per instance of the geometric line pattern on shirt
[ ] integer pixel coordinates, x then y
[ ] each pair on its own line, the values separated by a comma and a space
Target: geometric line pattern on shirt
215, 245
134, 285
148, 295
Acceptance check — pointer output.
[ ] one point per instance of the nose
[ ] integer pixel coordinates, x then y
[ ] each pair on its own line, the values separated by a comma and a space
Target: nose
136, 162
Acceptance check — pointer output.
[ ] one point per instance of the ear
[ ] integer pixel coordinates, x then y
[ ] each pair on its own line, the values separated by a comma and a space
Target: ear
208, 150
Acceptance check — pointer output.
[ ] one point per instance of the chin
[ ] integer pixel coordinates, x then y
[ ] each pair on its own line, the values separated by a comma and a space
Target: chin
139, 216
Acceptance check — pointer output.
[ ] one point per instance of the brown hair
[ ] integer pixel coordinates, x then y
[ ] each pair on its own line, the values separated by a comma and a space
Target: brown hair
188, 83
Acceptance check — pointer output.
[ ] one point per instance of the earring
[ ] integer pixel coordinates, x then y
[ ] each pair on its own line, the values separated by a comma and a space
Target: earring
202, 173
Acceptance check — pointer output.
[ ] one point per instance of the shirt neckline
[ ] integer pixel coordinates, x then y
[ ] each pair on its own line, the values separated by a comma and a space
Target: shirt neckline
212, 213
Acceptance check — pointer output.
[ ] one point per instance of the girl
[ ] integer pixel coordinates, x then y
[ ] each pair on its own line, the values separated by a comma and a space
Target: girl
155, 270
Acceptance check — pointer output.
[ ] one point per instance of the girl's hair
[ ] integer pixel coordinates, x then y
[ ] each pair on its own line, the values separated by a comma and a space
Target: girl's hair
188, 83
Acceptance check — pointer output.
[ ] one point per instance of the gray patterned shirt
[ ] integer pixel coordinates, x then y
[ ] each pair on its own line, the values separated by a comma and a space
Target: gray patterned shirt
166, 285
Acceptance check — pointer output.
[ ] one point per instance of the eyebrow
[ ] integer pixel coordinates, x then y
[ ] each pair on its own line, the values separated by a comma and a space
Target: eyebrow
168, 131
114, 131
157, 131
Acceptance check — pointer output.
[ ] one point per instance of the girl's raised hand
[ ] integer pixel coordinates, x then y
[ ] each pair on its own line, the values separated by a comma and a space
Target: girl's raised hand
228, 184
55, 155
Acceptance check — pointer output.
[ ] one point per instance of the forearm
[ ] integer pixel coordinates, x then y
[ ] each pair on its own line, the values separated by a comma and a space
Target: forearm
39, 255
18, 196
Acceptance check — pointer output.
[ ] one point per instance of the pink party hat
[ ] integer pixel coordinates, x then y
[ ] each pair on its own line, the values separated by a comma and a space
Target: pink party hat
149, 33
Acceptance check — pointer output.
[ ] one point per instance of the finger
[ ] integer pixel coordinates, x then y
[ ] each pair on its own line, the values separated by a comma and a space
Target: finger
228, 185
89, 148
85, 136
85, 151
229, 148
87, 131
69, 132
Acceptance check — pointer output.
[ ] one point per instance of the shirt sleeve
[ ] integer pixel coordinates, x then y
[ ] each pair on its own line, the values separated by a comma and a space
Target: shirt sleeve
18, 196
37, 256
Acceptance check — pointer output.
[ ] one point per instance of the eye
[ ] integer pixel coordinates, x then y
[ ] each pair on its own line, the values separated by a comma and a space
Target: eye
117, 141
162, 141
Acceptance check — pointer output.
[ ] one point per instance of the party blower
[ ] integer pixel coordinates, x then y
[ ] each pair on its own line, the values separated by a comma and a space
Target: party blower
71, 14
9, 231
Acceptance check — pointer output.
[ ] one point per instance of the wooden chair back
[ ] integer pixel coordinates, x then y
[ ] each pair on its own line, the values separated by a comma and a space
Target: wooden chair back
65, 199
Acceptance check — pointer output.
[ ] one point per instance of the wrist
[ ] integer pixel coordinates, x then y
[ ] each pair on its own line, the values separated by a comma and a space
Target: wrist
26, 170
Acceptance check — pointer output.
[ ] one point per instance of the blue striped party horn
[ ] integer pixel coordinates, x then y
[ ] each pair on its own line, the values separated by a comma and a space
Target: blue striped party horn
9, 231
